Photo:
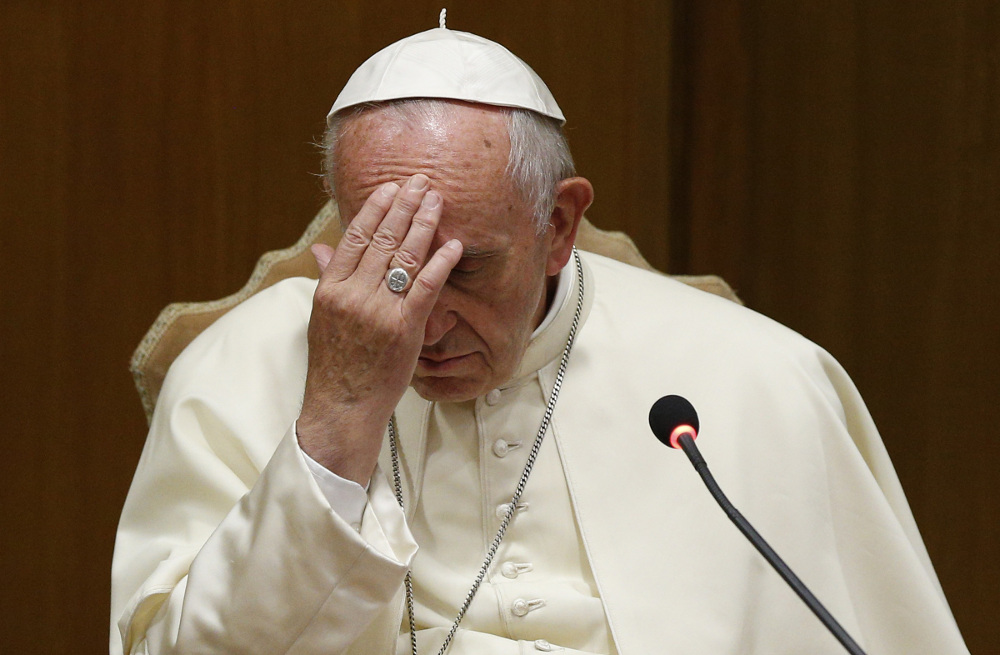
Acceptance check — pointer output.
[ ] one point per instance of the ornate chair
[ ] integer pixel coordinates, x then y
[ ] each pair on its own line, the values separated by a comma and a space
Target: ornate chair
179, 323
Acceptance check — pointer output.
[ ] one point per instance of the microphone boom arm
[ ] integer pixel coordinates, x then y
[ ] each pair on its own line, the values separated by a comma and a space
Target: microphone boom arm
691, 450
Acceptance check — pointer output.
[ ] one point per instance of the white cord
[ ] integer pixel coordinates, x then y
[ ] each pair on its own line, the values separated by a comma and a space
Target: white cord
441, 18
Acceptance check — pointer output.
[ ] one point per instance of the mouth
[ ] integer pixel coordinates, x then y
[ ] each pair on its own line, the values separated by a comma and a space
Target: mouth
440, 364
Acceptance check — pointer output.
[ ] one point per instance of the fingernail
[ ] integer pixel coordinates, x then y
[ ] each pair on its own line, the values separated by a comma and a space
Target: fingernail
390, 189
431, 200
418, 182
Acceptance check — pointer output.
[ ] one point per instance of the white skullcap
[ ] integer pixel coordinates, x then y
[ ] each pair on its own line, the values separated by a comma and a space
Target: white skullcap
443, 63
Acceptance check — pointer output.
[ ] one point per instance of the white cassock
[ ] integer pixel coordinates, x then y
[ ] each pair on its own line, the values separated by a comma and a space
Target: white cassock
227, 544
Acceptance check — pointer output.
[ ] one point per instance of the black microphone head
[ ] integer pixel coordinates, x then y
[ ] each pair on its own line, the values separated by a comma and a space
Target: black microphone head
668, 413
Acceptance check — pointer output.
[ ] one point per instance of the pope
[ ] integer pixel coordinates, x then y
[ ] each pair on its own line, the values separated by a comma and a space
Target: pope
441, 444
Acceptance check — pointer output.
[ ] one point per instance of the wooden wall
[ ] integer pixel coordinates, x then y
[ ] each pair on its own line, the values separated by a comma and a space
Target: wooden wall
837, 161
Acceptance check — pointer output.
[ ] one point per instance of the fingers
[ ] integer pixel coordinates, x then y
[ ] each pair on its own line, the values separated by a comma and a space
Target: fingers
428, 284
390, 233
408, 208
373, 237
358, 234
413, 251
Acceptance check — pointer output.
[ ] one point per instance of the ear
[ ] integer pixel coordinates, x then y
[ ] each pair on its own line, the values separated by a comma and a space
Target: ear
573, 197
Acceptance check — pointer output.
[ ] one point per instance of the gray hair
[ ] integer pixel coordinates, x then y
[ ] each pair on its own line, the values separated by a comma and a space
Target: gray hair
539, 154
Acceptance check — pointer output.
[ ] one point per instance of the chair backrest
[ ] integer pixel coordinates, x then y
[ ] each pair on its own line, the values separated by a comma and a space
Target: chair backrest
179, 323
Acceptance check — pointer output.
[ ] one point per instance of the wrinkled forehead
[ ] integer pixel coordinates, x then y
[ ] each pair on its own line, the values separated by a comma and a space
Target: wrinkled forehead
455, 144
464, 153
427, 119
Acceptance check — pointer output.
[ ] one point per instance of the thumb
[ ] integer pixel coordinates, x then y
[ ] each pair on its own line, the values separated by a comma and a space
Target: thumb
323, 254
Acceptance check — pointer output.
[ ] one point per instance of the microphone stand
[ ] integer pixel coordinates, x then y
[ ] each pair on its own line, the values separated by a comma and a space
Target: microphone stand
691, 450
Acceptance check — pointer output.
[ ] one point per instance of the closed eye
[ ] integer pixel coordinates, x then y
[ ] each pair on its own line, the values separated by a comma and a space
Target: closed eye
469, 265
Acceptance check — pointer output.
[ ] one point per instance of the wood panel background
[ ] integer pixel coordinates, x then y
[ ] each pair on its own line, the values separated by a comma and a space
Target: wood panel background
836, 161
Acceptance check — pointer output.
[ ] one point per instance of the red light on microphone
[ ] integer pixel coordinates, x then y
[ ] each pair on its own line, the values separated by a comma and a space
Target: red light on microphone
680, 431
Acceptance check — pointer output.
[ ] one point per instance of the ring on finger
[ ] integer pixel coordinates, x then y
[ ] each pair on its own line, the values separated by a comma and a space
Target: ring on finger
397, 279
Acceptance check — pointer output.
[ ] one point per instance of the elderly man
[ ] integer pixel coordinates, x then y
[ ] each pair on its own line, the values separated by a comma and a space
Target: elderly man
516, 501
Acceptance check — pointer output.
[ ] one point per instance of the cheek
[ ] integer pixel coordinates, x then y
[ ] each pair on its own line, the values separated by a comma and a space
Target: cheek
504, 315
502, 305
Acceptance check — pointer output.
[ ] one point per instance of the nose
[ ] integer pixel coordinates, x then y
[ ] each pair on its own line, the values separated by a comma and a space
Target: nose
439, 323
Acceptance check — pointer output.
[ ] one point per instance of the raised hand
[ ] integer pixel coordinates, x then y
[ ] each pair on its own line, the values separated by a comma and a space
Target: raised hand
364, 339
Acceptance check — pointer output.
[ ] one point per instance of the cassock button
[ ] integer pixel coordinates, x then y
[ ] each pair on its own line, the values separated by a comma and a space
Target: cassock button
501, 510
545, 647
521, 607
493, 397
513, 569
501, 448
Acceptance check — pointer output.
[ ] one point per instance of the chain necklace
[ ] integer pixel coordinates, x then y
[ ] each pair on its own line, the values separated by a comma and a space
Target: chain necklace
512, 506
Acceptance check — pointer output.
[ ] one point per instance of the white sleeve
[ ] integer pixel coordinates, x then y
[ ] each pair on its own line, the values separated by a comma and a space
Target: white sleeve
226, 543
281, 573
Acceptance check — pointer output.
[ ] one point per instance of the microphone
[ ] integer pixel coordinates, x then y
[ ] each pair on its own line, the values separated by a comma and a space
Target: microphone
674, 421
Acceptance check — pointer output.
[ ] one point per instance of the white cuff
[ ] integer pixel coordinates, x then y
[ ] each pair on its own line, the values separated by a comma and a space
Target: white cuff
346, 497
